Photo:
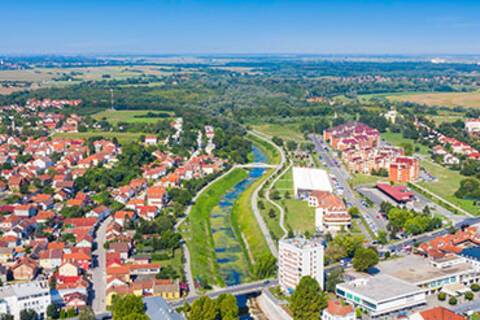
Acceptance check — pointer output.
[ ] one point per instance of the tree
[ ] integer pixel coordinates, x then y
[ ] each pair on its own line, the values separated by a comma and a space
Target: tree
308, 300
203, 308
291, 145
364, 258
86, 314
475, 287
52, 311
334, 277
469, 295
442, 296
6, 316
354, 212
265, 267
452, 301
227, 307
125, 305
271, 213
167, 272
28, 314
382, 237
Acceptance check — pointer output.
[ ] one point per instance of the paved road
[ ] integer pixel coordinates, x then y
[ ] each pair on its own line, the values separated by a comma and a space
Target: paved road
336, 168
234, 290
99, 274
254, 200
279, 207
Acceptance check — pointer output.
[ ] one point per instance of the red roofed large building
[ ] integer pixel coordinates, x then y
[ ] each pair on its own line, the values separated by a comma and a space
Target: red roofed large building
331, 214
437, 313
397, 193
450, 243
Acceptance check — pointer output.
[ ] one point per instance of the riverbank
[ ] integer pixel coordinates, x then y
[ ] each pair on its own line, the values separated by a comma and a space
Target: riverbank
198, 234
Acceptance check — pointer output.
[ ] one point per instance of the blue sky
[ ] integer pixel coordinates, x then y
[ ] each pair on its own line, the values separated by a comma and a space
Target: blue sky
264, 26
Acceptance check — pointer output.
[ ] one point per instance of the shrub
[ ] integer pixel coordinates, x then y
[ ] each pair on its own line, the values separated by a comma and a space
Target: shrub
469, 295
452, 301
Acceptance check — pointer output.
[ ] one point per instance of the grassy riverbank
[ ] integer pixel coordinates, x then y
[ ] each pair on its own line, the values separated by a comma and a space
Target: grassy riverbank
246, 226
270, 151
198, 233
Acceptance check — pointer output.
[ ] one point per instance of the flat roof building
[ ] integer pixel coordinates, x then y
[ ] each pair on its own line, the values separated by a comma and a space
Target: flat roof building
307, 180
299, 257
381, 294
33, 295
430, 274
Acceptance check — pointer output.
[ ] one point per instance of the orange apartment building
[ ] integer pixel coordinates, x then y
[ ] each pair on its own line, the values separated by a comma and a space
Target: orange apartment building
404, 169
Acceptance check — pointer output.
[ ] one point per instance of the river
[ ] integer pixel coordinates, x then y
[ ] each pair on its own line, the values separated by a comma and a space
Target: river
232, 262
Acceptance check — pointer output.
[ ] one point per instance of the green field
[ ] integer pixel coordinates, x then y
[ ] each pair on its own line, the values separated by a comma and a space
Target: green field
397, 139
270, 151
246, 225
123, 137
273, 224
288, 131
298, 215
198, 234
364, 179
447, 184
129, 116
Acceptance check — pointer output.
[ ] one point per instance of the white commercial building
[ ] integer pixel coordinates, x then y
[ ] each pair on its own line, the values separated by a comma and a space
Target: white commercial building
472, 125
299, 257
307, 180
33, 295
381, 294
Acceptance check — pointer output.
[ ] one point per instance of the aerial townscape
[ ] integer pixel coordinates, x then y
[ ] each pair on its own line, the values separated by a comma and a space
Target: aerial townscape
276, 160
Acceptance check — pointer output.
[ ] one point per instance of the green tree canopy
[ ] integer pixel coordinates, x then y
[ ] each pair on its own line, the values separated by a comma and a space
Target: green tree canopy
308, 300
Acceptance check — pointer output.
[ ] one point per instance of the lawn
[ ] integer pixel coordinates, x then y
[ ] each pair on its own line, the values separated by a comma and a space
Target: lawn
363, 179
447, 184
285, 183
299, 216
245, 223
123, 137
176, 262
449, 99
288, 131
267, 148
273, 224
198, 234
130, 116
397, 139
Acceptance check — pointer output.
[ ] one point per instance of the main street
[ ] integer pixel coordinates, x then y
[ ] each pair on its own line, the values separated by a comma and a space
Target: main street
337, 169
99, 272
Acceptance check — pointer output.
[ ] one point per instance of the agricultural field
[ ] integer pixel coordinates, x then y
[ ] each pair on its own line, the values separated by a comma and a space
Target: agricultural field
130, 116
447, 183
123, 137
53, 77
449, 99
